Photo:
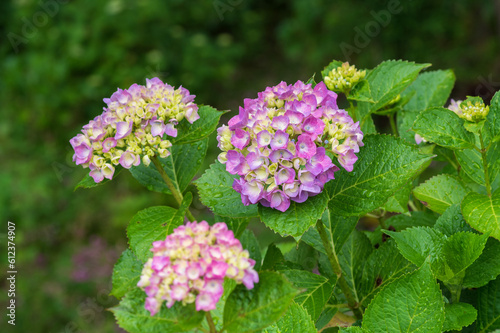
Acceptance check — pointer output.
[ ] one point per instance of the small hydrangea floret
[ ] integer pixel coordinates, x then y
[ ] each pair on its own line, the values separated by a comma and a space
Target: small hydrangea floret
190, 265
133, 127
344, 77
281, 144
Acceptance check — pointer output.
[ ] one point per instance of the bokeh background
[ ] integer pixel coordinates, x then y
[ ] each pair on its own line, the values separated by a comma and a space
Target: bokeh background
59, 59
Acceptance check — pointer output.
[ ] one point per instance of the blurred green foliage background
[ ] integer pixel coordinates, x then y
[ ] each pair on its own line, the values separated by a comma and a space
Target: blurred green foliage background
59, 59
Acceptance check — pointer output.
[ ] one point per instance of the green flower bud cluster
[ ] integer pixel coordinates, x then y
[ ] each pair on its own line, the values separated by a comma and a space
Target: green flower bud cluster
473, 109
343, 78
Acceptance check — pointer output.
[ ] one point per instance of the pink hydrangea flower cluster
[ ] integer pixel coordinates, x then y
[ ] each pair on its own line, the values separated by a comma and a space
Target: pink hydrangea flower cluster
278, 144
133, 126
191, 264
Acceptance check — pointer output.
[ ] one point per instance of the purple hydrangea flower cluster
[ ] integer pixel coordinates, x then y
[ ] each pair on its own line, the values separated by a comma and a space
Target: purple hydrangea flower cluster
191, 264
132, 126
278, 144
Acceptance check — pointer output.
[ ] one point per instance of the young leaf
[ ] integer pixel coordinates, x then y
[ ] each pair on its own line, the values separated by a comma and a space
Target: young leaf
488, 307
458, 252
297, 218
331, 66
485, 268
250, 243
252, 310
273, 257
443, 127
398, 203
458, 315
385, 82
316, 290
452, 221
430, 89
385, 164
126, 273
134, 318
216, 191
201, 129
418, 243
181, 166
152, 224
296, 319
382, 266
412, 303
440, 192
483, 212
352, 259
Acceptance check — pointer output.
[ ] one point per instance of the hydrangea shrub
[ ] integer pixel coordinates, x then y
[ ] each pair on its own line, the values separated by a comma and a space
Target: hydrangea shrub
378, 245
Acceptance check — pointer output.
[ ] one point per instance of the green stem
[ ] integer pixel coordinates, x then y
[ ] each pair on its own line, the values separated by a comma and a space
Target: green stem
211, 323
485, 165
393, 124
455, 291
332, 257
351, 108
412, 206
175, 192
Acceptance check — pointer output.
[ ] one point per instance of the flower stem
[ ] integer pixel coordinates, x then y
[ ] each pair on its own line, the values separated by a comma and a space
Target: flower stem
210, 322
393, 124
485, 165
332, 257
175, 192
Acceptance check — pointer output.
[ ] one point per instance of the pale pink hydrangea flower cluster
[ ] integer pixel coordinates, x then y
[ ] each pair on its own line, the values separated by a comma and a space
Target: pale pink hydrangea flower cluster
191, 264
133, 126
278, 144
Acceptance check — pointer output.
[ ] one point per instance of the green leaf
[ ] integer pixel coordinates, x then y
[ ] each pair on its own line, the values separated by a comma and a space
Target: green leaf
458, 315
273, 257
471, 163
215, 187
296, 319
385, 165
485, 268
452, 221
250, 243
297, 218
88, 182
483, 212
430, 89
126, 273
352, 259
353, 329
385, 82
134, 318
152, 224
458, 252
326, 316
316, 290
412, 303
338, 229
416, 219
331, 66
252, 310
218, 313
181, 166
382, 266
364, 116
398, 203
443, 127
237, 225
493, 119
440, 192
417, 243
200, 129
488, 307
